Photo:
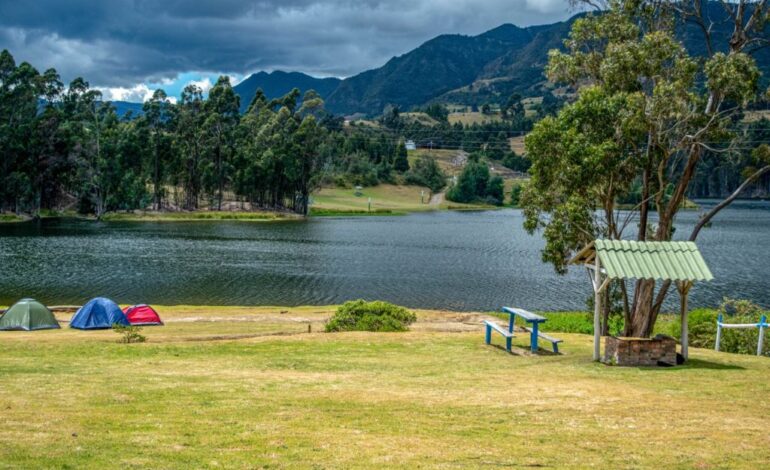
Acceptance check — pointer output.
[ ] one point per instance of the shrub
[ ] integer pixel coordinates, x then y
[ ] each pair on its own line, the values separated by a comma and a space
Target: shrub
516, 194
359, 315
702, 327
130, 333
426, 172
476, 184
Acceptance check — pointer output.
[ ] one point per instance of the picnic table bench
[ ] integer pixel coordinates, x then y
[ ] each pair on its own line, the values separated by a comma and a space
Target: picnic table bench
506, 334
534, 333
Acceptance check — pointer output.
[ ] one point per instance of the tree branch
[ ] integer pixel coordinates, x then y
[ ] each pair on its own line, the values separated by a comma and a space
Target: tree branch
710, 215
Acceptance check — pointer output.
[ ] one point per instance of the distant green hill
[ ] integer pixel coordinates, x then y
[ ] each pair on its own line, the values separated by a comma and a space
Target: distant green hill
278, 83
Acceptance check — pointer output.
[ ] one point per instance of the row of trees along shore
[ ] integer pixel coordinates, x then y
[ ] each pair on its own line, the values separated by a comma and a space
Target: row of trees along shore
647, 116
61, 143
65, 147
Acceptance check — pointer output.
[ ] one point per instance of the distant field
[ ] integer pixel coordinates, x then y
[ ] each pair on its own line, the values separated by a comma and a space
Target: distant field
446, 159
240, 387
469, 118
517, 145
422, 118
386, 199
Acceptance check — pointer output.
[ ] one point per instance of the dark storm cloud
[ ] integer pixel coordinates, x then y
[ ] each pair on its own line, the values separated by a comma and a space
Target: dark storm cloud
121, 43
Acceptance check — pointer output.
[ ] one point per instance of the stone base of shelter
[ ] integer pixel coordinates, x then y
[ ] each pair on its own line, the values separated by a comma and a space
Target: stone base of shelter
657, 351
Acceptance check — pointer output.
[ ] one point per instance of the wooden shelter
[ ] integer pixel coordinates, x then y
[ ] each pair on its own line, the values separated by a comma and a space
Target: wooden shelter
680, 262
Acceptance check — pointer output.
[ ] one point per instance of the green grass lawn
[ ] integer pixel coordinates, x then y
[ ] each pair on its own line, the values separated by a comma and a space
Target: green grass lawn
387, 199
250, 388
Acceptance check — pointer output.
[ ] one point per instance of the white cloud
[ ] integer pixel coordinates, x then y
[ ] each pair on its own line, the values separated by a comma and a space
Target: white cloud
547, 6
136, 94
204, 84
157, 42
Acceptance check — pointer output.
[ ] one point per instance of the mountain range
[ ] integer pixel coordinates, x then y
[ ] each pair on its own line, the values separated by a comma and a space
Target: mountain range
458, 69
500, 61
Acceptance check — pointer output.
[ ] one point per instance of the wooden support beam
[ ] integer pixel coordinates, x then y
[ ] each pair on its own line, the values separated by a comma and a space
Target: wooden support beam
684, 290
597, 280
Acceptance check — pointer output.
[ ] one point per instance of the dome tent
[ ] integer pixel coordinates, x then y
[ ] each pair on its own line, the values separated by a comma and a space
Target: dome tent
98, 313
142, 315
28, 315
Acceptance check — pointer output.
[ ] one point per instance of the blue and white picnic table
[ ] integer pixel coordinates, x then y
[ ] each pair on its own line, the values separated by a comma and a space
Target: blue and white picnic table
534, 332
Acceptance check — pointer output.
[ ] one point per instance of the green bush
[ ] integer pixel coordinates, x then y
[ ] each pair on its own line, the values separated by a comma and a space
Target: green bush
702, 326
426, 172
128, 333
359, 315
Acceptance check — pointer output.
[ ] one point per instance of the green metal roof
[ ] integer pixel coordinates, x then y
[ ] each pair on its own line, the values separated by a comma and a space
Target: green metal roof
676, 261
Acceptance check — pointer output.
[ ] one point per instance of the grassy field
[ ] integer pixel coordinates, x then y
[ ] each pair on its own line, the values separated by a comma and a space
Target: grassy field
386, 200
250, 388
470, 118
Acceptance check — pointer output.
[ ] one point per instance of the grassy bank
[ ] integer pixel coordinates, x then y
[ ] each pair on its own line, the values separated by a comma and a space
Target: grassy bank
197, 216
11, 218
386, 199
250, 387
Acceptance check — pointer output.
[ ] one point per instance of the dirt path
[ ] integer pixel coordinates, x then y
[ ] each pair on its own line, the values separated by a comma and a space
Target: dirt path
437, 199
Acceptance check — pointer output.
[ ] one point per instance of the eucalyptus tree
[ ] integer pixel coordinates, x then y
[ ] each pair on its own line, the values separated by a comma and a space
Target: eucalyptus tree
157, 118
23, 134
190, 142
222, 116
647, 112
90, 127
305, 168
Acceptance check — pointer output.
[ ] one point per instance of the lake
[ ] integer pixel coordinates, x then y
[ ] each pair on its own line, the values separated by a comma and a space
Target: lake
442, 260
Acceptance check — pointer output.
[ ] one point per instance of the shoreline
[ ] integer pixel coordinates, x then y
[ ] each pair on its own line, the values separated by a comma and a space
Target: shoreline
238, 216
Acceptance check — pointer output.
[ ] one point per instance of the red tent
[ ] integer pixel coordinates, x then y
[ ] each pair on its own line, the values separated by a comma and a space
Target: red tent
142, 315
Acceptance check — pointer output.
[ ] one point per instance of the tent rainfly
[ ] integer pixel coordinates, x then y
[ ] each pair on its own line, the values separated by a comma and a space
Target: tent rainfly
680, 262
28, 315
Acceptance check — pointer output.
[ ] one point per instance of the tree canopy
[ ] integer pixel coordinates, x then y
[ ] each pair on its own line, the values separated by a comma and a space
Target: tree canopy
646, 116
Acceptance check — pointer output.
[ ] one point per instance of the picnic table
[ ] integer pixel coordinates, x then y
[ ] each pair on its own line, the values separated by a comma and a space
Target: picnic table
534, 331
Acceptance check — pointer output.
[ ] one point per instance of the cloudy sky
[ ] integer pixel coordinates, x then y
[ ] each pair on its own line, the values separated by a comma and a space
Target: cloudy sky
129, 47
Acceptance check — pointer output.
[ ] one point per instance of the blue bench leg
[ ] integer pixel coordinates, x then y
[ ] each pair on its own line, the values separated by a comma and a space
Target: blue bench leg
489, 334
556, 348
508, 344
533, 337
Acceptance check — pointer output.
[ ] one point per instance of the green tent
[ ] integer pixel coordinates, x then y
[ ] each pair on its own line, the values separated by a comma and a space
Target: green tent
28, 315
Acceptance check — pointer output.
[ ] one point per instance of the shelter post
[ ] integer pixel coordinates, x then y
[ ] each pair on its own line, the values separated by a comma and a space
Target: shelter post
684, 290
597, 308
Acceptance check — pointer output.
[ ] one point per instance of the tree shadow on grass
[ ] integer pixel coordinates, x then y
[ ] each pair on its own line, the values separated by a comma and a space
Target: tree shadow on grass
695, 364
701, 364
523, 351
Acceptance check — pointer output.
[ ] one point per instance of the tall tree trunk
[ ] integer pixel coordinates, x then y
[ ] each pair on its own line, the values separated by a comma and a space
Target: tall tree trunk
640, 324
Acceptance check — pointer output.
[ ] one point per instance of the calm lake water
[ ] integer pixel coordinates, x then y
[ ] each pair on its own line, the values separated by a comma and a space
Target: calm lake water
448, 260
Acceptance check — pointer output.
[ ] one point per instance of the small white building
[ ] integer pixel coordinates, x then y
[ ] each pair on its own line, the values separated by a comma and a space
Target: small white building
410, 145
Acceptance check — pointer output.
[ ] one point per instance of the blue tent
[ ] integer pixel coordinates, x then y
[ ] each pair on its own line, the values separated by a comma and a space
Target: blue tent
98, 313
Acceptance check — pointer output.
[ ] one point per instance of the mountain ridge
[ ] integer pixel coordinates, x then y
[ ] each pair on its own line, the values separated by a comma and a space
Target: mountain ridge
278, 83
